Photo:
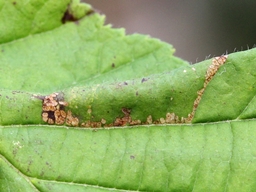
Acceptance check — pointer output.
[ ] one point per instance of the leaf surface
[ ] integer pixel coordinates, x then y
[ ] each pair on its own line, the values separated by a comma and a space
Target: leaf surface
105, 76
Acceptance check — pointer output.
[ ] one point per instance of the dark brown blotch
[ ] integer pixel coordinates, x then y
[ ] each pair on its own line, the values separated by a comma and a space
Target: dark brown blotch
68, 17
144, 80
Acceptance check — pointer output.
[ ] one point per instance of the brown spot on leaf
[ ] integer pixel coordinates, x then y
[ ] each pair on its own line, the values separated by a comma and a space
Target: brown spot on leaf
103, 121
211, 71
132, 157
170, 118
162, 120
71, 120
53, 109
216, 63
149, 119
60, 117
68, 17
126, 119
50, 121
93, 124
45, 116
126, 111
144, 80
135, 122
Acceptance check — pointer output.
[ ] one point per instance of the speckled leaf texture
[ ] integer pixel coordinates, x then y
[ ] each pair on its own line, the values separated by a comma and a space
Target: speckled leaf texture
135, 117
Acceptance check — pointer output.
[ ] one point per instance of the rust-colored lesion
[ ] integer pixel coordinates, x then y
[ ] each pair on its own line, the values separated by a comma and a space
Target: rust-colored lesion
70, 17
71, 120
127, 120
170, 118
60, 116
53, 110
211, 71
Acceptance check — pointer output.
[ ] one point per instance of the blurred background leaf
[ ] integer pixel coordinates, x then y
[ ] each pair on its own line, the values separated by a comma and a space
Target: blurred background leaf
197, 29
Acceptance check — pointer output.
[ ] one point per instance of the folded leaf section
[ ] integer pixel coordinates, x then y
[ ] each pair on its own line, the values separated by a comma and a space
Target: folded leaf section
157, 96
230, 94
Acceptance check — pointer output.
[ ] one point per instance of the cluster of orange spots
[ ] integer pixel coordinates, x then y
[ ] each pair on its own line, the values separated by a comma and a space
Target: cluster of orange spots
213, 68
54, 107
126, 119
92, 124
119, 121
71, 120
54, 111
170, 118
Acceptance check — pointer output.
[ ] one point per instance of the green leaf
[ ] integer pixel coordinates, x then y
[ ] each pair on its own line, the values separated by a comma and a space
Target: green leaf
215, 157
230, 95
155, 122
